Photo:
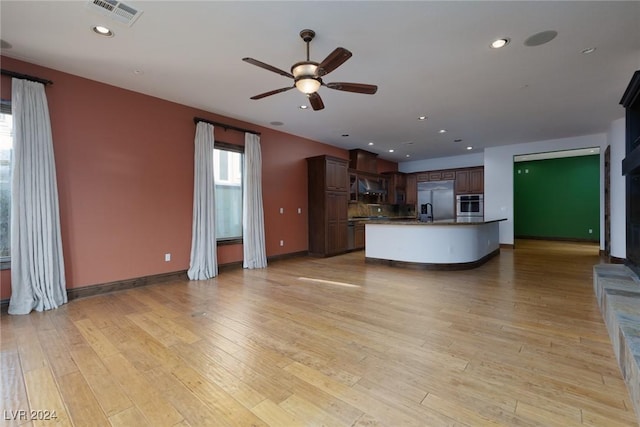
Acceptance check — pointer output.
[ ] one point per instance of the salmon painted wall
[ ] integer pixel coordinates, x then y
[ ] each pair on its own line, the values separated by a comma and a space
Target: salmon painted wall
125, 179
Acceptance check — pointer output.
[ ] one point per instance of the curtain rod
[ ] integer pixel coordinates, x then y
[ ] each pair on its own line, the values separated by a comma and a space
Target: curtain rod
199, 119
26, 77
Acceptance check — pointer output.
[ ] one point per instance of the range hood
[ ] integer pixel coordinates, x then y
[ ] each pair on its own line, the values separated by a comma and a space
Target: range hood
370, 186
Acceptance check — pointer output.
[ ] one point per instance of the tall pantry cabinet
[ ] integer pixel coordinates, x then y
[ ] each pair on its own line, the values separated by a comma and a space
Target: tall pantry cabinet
328, 205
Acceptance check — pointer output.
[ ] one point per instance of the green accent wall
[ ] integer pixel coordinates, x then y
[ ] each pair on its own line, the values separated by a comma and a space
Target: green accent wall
557, 198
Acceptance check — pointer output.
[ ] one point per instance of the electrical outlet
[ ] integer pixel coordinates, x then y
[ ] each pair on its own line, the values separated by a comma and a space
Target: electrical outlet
167, 257
299, 210
590, 231
281, 210
281, 242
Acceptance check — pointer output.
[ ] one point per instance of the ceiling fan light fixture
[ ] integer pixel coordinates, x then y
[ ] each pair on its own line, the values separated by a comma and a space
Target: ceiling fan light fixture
305, 74
308, 85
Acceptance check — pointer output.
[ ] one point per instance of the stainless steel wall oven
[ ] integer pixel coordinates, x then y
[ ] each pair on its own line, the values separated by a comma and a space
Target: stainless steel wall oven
469, 205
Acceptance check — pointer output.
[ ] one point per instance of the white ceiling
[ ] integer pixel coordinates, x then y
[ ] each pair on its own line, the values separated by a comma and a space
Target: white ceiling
427, 58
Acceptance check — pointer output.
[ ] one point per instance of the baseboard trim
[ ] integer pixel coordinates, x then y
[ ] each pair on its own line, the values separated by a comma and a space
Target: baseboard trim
121, 285
229, 266
616, 260
288, 256
118, 285
507, 246
273, 258
559, 239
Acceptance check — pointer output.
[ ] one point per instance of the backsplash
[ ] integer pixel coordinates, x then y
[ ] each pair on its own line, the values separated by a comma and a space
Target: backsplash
360, 209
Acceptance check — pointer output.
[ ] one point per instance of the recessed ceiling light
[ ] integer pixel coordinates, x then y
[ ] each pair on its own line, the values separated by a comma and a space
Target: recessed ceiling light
391, 150
422, 118
442, 131
497, 44
103, 31
469, 148
588, 50
371, 143
303, 107
408, 155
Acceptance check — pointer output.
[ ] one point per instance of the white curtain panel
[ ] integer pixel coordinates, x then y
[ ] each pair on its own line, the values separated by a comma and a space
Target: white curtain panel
204, 259
255, 254
37, 265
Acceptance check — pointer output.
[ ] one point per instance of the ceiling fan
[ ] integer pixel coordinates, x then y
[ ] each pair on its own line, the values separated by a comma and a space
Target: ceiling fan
307, 75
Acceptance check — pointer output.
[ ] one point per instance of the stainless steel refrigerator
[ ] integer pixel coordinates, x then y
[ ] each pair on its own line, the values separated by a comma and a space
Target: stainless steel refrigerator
440, 195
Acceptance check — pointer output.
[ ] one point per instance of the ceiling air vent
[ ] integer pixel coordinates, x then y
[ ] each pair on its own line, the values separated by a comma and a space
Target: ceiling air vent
116, 10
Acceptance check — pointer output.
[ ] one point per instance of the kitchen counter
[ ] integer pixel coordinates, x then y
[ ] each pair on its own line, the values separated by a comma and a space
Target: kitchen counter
382, 218
413, 221
445, 244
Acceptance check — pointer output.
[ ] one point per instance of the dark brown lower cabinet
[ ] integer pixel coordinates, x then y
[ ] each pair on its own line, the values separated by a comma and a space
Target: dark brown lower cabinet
359, 236
337, 222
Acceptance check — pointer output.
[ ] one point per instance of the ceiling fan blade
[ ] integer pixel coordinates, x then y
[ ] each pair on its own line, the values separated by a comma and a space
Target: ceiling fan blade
353, 87
267, 67
316, 101
273, 92
333, 61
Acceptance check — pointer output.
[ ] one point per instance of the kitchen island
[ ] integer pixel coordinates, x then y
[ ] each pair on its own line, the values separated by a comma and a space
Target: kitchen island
445, 245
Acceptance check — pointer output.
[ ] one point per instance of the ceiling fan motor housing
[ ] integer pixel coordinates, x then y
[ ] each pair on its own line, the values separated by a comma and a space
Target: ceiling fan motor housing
307, 35
306, 78
304, 69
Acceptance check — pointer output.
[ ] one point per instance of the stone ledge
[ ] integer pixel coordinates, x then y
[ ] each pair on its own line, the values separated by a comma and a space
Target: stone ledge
617, 290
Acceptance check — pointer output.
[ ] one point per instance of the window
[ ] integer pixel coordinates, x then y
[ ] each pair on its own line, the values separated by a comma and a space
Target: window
6, 148
227, 165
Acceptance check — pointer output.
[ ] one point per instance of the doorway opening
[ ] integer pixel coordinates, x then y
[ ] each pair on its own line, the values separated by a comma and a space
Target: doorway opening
557, 196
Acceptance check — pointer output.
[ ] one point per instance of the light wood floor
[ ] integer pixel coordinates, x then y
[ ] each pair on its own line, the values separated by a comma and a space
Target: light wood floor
517, 342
